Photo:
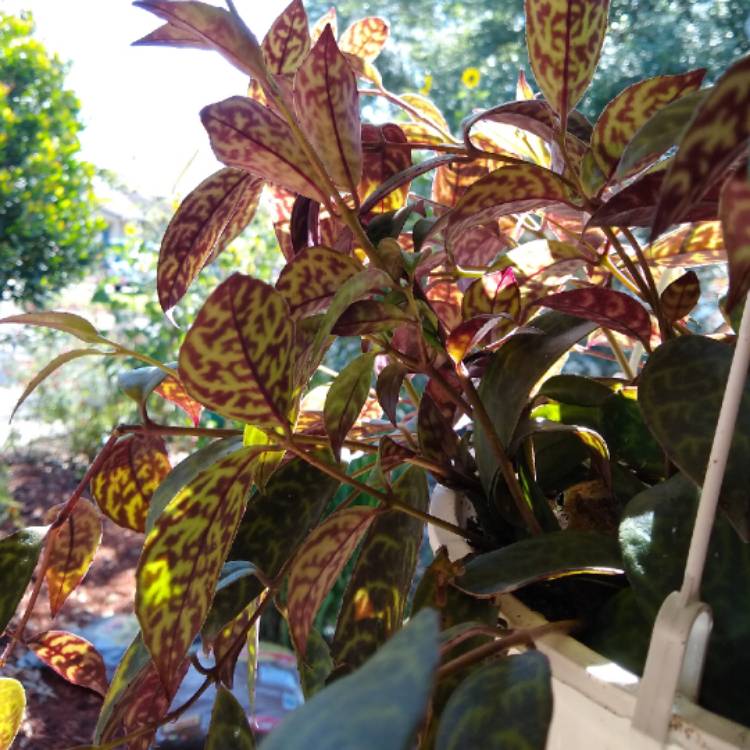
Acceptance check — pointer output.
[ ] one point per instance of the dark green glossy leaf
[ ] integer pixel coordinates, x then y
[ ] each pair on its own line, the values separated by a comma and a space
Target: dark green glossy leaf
381, 705
682, 386
541, 557
19, 553
316, 666
575, 389
229, 729
504, 704
388, 388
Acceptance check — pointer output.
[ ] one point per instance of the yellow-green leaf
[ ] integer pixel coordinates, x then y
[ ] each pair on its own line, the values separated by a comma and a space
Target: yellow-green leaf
60, 321
690, 245
266, 462
365, 38
19, 553
680, 297
12, 705
288, 40
229, 729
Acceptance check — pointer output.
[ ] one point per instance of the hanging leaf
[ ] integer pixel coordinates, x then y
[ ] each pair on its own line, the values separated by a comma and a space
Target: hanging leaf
692, 245
318, 563
494, 294
125, 482
245, 330
249, 136
680, 297
327, 104
382, 159
19, 553
388, 388
73, 658
682, 385
75, 325
72, 550
369, 316
365, 38
437, 440
207, 220
174, 391
506, 703
734, 212
702, 157
12, 706
539, 558
631, 109
373, 606
229, 729
400, 675
392, 454
237, 595
509, 190
427, 109
615, 310
203, 26
287, 41
316, 665
266, 462
565, 39
182, 557
309, 282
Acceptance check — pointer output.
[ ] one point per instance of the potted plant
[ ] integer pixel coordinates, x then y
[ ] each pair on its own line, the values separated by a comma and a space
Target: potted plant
545, 240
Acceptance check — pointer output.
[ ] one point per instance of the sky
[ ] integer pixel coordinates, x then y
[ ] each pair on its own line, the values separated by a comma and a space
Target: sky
140, 105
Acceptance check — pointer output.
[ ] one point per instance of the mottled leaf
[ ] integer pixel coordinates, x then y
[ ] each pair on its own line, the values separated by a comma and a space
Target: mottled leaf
680, 394
692, 245
452, 180
174, 391
249, 136
392, 454
388, 388
631, 109
208, 219
309, 282
245, 331
318, 563
715, 137
73, 658
267, 461
316, 665
437, 439
493, 294
565, 38
229, 728
365, 38
327, 104
380, 706
373, 606
680, 297
236, 597
427, 109
59, 321
125, 482
329, 18
502, 704
182, 557
465, 336
735, 224
19, 553
12, 706
380, 162
539, 558
369, 316
287, 41
615, 310
73, 548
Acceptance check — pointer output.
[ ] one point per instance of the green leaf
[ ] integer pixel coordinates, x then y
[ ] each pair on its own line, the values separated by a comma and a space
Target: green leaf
682, 386
266, 462
538, 558
575, 389
12, 705
229, 729
381, 705
345, 399
139, 383
316, 665
19, 553
60, 321
503, 704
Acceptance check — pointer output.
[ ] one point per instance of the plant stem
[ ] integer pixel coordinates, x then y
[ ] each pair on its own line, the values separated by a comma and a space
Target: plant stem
619, 355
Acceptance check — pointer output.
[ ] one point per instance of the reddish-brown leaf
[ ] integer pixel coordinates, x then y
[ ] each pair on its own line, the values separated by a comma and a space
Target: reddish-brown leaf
288, 40
381, 161
247, 135
735, 223
453, 180
388, 388
73, 658
369, 316
464, 337
494, 294
392, 454
691, 245
327, 19
680, 297
173, 390
209, 218
126, 481
437, 440
72, 551
365, 38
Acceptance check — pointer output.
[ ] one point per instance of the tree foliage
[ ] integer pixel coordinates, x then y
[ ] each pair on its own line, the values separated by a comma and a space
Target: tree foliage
48, 229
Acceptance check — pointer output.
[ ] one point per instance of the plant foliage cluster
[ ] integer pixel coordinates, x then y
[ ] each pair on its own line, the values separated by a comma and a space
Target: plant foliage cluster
544, 235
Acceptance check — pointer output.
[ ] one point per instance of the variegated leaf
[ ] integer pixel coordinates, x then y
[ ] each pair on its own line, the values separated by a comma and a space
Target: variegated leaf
365, 38
73, 548
715, 137
12, 706
174, 391
345, 399
208, 219
74, 658
318, 563
565, 38
287, 41
437, 440
427, 109
735, 224
329, 18
380, 162
631, 109
309, 282
327, 104
267, 461
182, 558
451, 181
19, 553
204, 26
369, 316
247, 135
465, 336
495, 293
229, 729
229, 642
388, 388
608, 308
680, 297
692, 245
513, 189
392, 454
124, 484
243, 329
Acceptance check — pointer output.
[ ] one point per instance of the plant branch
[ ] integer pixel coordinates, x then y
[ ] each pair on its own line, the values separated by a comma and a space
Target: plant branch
619, 354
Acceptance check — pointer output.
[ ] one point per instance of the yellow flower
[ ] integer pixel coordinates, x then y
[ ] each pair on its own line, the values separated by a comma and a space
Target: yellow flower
427, 86
470, 78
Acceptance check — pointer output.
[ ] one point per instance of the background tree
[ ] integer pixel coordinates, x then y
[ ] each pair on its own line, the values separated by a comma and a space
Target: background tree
435, 41
48, 229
